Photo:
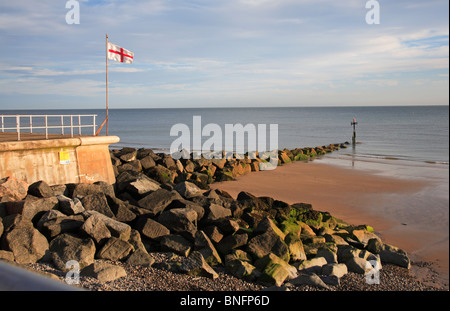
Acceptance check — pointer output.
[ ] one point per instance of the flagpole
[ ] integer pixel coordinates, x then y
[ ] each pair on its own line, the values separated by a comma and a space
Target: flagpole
107, 116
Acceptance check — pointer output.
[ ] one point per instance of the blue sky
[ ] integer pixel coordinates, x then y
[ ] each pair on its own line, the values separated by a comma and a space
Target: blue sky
224, 53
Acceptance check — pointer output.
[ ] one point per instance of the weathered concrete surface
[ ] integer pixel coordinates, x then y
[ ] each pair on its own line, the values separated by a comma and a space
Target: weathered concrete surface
33, 160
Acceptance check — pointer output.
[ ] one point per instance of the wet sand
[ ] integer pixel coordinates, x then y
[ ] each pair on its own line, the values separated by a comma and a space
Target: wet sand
391, 206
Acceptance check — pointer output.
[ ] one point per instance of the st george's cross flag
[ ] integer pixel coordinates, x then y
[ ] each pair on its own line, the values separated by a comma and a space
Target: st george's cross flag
119, 54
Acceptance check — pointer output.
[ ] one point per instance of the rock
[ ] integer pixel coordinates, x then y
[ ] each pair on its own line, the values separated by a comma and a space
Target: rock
183, 203
140, 258
121, 210
158, 200
40, 189
134, 165
213, 233
118, 229
127, 154
175, 243
142, 186
32, 207
269, 242
136, 241
96, 229
147, 162
335, 269
6, 256
187, 189
226, 226
393, 255
180, 220
347, 252
27, 244
13, 188
265, 225
69, 206
1, 227
67, 247
115, 249
363, 236
313, 265
54, 226
375, 246
358, 265
309, 279
330, 256
204, 245
331, 280
195, 264
97, 202
151, 229
274, 270
81, 190
215, 212
230, 242
295, 247
242, 270
104, 272
161, 174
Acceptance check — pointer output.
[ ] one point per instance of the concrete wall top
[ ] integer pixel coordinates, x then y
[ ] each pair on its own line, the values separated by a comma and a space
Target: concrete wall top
52, 143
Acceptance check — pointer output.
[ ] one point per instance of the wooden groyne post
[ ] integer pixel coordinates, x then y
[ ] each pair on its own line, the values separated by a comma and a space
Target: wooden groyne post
353, 123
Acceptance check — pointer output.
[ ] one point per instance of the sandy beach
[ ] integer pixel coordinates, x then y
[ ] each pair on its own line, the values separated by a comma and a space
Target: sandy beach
394, 207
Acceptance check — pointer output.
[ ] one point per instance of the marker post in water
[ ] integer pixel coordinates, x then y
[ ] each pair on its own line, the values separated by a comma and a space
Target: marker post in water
353, 123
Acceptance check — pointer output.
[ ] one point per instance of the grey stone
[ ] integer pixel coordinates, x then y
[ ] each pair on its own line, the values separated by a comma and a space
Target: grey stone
69, 206
151, 229
97, 202
358, 265
115, 249
66, 247
27, 244
140, 258
104, 272
158, 200
118, 229
309, 279
180, 220
95, 228
195, 264
335, 269
175, 243
187, 189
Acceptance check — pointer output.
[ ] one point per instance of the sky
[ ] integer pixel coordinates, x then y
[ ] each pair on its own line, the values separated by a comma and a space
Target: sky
224, 53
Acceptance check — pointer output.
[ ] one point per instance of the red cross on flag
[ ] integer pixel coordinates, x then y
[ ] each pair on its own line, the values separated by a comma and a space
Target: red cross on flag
119, 54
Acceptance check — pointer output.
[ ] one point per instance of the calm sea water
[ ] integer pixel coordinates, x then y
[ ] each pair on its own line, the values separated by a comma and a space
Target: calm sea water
419, 134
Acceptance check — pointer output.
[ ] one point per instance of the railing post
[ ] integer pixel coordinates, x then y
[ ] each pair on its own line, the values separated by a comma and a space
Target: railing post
18, 127
3, 126
62, 125
31, 124
71, 125
79, 125
46, 129
93, 125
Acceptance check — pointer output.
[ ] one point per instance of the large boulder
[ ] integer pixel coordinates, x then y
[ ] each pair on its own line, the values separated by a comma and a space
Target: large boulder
13, 188
393, 255
175, 243
97, 202
104, 272
204, 245
52, 224
150, 228
180, 220
66, 247
118, 229
188, 189
69, 206
158, 200
115, 249
195, 264
96, 229
266, 243
230, 242
274, 270
26, 243
40, 189
32, 208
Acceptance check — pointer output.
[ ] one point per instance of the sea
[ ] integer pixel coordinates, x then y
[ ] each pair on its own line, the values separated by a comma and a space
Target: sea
411, 133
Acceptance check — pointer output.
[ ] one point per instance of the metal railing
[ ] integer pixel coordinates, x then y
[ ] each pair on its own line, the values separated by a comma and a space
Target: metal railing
46, 124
